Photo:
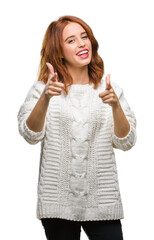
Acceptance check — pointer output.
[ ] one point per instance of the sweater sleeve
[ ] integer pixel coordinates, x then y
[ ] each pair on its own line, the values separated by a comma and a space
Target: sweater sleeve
25, 110
129, 140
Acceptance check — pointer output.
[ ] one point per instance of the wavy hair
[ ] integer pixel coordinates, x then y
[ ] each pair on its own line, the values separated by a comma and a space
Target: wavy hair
52, 52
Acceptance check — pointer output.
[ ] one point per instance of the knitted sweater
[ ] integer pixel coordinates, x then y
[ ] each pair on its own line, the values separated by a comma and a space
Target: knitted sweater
78, 176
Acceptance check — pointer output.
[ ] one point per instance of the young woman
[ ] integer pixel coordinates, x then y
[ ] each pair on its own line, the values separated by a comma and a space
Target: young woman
79, 117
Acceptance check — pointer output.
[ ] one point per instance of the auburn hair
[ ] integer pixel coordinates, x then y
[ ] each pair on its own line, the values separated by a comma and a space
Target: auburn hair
52, 52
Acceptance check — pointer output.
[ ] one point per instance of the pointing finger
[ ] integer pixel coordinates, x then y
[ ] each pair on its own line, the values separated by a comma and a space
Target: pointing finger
108, 82
50, 68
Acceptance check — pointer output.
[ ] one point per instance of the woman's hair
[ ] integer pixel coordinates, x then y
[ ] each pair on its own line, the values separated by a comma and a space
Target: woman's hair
52, 52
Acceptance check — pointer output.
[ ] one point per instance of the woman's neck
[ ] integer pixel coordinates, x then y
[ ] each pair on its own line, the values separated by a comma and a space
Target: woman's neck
79, 75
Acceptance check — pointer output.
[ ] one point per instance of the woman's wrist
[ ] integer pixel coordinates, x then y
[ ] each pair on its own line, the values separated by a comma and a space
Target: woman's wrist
45, 97
116, 106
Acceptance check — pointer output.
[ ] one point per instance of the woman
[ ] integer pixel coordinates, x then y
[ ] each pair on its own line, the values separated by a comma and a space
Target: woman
79, 118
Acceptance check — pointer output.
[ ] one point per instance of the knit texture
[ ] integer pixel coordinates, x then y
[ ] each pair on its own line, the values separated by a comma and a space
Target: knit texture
78, 175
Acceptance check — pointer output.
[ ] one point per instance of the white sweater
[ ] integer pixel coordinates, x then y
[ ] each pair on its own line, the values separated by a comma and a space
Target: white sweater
78, 175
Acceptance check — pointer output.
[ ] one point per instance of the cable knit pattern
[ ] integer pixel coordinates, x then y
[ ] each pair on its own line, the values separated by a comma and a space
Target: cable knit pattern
78, 176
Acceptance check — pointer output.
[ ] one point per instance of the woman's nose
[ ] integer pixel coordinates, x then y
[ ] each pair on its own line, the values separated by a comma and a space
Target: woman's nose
81, 42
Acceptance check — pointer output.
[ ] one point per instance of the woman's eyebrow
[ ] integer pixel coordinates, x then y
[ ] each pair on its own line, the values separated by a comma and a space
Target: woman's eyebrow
72, 36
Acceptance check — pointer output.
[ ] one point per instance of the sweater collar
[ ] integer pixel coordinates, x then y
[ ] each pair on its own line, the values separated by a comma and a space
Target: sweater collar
80, 87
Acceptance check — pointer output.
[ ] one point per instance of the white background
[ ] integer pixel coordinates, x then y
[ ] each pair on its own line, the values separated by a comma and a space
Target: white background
124, 30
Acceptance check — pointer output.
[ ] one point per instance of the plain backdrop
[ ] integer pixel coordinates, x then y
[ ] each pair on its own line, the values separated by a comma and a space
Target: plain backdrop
124, 31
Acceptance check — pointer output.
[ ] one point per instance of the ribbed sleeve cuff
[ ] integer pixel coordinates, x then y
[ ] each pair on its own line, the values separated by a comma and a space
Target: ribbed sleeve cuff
31, 136
126, 142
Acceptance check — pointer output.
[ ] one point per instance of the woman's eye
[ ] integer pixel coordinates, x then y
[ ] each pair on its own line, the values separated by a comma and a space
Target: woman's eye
70, 41
85, 36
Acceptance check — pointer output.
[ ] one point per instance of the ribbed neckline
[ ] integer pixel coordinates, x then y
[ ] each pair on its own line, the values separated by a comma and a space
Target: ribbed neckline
80, 87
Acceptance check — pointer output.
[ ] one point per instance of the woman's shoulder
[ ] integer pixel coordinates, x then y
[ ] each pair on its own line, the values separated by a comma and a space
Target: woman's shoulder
38, 84
35, 90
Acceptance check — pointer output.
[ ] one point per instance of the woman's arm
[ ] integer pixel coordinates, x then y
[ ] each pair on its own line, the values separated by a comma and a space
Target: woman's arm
31, 100
36, 119
121, 124
32, 113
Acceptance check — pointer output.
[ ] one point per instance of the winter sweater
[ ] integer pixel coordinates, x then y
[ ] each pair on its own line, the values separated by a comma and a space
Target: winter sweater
78, 175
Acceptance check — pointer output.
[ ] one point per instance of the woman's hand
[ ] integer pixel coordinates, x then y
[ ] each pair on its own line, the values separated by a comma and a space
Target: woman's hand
53, 87
109, 96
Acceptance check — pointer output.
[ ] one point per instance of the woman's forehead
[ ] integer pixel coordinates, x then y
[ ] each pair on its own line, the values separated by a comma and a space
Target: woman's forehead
72, 29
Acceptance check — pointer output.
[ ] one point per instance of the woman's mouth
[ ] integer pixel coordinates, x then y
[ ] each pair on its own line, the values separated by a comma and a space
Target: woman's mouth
83, 54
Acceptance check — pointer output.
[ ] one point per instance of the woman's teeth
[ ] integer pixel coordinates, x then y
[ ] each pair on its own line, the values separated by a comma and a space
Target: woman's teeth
83, 52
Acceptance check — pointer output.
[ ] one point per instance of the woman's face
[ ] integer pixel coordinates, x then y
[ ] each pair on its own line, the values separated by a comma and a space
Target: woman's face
77, 48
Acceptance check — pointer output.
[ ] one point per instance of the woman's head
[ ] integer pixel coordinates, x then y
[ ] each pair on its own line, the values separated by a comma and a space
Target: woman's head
76, 46
57, 51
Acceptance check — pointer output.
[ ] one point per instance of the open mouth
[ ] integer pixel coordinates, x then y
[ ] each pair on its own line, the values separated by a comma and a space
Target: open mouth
83, 54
